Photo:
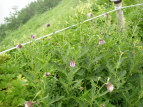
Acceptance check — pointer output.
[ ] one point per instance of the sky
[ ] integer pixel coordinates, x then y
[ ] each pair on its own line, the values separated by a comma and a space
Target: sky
6, 7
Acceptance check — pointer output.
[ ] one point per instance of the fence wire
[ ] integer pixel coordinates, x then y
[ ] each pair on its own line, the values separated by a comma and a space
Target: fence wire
73, 26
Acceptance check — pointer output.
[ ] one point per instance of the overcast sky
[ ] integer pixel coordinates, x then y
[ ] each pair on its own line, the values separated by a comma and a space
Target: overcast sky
6, 7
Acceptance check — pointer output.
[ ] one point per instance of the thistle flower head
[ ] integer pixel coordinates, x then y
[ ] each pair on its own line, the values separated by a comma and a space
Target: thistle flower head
80, 88
28, 104
47, 74
102, 105
110, 87
105, 15
19, 46
33, 36
48, 39
90, 15
133, 52
47, 25
122, 53
101, 41
72, 63
81, 42
56, 44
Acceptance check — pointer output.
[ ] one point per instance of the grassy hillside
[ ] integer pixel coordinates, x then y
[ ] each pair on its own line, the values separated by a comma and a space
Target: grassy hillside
37, 27
89, 65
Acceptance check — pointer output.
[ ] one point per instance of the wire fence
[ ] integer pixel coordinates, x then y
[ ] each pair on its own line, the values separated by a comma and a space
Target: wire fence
73, 26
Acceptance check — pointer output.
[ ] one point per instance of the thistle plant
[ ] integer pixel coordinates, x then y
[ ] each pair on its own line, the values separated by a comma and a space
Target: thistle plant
78, 67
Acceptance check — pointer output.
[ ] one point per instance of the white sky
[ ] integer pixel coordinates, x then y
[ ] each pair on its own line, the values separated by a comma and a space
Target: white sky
6, 7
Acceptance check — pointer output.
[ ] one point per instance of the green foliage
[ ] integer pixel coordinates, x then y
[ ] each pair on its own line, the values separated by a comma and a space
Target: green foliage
117, 61
19, 18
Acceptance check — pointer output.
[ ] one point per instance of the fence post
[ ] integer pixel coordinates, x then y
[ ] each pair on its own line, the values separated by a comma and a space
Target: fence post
119, 13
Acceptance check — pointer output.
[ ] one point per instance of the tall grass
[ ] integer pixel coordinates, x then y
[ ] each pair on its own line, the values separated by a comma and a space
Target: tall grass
41, 72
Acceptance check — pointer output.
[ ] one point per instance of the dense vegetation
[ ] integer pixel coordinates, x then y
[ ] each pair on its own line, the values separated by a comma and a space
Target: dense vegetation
18, 18
89, 65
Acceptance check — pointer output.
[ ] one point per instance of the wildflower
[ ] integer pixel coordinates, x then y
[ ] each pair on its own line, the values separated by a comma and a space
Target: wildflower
47, 25
56, 43
36, 81
122, 53
72, 63
105, 15
33, 36
80, 88
102, 33
110, 87
81, 42
102, 105
19, 46
133, 52
28, 104
47, 74
90, 15
101, 41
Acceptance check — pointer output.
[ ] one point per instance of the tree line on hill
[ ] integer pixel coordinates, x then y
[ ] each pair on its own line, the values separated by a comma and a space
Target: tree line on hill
18, 18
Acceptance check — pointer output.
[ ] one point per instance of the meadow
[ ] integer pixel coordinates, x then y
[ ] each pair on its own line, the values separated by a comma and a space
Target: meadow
92, 64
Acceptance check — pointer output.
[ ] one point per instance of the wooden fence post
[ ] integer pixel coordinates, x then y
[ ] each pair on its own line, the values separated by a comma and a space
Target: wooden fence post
119, 13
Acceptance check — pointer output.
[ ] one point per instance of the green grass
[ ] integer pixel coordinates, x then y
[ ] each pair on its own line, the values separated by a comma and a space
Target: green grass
118, 61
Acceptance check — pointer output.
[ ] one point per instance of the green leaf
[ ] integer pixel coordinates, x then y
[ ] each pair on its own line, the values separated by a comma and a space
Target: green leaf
122, 74
97, 58
76, 84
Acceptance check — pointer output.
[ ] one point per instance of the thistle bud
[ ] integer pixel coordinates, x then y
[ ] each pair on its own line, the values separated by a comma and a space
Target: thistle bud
28, 104
33, 36
102, 105
19, 46
47, 25
110, 87
122, 53
105, 15
101, 41
47, 74
48, 39
90, 15
72, 63
80, 88
133, 52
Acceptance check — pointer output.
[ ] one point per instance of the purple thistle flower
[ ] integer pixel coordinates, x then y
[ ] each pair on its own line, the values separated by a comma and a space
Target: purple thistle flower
47, 74
47, 25
90, 15
105, 15
72, 63
101, 41
33, 36
19, 46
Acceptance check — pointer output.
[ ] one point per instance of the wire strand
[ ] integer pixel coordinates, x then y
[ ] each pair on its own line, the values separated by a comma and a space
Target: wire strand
73, 26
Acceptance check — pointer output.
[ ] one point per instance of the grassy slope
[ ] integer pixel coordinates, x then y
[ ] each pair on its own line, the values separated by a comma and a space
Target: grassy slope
56, 17
80, 44
36, 26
